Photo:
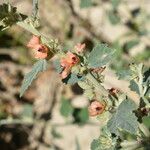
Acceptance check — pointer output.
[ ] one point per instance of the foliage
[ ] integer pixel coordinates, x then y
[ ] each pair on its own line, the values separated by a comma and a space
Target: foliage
78, 66
38, 67
124, 119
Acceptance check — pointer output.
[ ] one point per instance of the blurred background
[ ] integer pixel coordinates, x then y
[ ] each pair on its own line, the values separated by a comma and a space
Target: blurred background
51, 115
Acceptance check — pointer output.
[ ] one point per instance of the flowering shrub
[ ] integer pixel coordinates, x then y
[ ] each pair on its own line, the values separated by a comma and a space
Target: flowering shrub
122, 118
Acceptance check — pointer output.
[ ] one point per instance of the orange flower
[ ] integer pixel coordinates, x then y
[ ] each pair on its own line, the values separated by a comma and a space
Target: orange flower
40, 50
96, 108
80, 47
67, 63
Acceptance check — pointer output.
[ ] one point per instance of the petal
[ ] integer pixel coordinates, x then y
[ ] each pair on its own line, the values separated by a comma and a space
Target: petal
35, 40
66, 72
40, 55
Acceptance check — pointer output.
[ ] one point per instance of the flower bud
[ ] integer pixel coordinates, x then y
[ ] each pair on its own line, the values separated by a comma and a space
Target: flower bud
96, 108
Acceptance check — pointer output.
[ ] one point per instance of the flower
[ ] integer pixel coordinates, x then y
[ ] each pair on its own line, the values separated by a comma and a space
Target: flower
96, 108
40, 50
80, 47
67, 63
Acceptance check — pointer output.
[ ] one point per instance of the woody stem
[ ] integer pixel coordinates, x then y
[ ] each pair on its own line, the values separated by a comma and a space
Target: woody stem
96, 84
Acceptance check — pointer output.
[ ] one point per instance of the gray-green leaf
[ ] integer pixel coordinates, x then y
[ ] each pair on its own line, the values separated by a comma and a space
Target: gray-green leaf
134, 87
124, 118
29, 77
100, 56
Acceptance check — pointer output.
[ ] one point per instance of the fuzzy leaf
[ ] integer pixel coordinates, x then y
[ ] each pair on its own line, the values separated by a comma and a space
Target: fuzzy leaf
29, 77
134, 87
104, 142
100, 56
124, 74
124, 119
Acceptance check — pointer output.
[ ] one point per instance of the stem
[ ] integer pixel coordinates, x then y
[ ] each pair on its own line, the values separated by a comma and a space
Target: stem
97, 85
140, 82
29, 28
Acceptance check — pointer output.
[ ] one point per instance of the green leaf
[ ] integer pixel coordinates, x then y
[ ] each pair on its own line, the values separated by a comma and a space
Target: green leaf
72, 79
131, 44
96, 145
83, 115
29, 77
115, 3
85, 3
100, 56
80, 115
104, 142
134, 87
113, 17
66, 108
124, 118
124, 74
146, 121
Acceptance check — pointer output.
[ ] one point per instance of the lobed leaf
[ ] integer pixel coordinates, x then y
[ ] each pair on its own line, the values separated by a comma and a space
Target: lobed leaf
39, 66
100, 56
124, 118
134, 87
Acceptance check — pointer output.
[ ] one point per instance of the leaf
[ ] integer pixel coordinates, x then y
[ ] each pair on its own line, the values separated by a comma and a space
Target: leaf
85, 3
124, 119
95, 145
72, 79
113, 17
134, 87
124, 74
100, 56
115, 3
83, 115
57, 65
80, 115
146, 121
39, 66
66, 108
104, 142
130, 44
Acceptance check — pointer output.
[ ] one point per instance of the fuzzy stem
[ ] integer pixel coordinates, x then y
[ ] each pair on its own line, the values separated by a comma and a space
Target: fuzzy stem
97, 85
140, 83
